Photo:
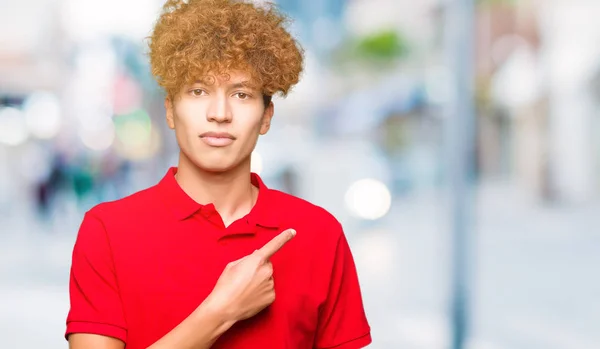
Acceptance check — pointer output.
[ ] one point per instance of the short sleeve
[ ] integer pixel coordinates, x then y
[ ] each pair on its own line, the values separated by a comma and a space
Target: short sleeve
95, 304
342, 320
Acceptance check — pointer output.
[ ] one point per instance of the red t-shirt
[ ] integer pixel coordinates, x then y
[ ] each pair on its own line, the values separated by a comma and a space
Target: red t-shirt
142, 264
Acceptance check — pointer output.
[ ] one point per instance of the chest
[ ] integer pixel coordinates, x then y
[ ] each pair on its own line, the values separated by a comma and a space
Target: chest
165, 280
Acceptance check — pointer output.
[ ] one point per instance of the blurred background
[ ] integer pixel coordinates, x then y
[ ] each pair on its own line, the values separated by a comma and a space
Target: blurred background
470, 196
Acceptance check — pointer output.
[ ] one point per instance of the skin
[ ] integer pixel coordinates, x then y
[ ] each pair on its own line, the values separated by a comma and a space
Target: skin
217, 174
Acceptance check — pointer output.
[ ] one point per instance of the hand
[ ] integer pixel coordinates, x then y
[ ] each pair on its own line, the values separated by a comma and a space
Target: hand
246, 286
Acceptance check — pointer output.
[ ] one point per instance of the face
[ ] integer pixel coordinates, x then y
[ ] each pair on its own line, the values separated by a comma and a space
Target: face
217, 124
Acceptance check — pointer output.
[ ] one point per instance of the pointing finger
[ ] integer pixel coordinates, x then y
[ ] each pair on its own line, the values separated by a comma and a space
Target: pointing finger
271, 247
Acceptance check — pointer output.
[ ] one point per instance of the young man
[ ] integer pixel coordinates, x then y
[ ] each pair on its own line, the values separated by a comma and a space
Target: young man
211, 257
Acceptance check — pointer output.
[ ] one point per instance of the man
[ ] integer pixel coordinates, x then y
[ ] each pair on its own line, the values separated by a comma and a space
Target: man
211, 257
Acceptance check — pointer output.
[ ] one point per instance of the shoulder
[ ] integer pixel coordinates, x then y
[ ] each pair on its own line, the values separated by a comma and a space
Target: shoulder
121, 223
138, 204
296, 211
296, 206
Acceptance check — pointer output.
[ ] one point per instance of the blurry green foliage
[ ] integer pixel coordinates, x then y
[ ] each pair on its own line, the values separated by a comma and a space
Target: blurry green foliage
384, 45
379, 50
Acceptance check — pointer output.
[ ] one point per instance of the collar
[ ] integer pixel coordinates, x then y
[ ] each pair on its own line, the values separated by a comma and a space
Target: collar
183, 206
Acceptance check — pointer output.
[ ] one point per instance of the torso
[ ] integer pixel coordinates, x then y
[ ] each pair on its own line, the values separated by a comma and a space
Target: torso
160, 288
166, 265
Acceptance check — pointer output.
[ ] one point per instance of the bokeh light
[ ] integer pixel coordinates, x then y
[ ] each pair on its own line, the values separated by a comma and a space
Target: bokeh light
98, 139
368, 199
13, 129
136, 137
43, 115
86, 19
256, 163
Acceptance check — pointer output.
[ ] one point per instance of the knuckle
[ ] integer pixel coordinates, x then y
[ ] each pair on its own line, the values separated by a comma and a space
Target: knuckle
270, 297
257, 256
267, 272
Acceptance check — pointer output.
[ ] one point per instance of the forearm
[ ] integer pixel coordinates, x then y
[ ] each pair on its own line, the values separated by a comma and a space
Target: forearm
200, 330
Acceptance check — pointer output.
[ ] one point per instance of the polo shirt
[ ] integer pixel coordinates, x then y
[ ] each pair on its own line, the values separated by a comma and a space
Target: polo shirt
142, 264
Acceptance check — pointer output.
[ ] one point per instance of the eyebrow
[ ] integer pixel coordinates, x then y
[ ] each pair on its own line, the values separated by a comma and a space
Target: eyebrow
245, 84
241, 84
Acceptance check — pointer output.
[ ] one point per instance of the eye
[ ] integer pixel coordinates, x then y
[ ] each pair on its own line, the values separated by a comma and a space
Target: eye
242, 95
197, 92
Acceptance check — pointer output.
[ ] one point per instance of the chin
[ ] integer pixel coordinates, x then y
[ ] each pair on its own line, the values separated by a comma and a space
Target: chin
214, 166
212, 163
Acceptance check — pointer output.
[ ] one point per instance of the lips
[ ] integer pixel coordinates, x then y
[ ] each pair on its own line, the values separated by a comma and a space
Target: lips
217, 135
217, 139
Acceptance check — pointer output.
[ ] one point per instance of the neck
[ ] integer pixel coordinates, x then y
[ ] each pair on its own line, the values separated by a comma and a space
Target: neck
231, 192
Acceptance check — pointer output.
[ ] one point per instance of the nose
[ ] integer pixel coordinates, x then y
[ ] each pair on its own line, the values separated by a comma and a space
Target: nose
219, 110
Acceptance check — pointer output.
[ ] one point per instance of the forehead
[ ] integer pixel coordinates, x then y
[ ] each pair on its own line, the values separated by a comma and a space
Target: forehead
234, 77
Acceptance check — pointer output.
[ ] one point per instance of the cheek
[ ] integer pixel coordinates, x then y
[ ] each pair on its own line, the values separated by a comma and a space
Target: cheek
251, 131
248, 119
188, 121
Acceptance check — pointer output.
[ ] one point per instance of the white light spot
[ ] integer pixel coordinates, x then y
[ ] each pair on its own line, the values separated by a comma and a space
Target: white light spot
368, 199
99, 139
256, 163
13, 130
86, 19
42, 115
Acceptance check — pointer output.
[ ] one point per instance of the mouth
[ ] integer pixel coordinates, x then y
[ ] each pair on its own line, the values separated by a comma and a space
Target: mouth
217, 139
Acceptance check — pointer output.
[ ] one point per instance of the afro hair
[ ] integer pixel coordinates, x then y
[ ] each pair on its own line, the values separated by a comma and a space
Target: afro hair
198, 39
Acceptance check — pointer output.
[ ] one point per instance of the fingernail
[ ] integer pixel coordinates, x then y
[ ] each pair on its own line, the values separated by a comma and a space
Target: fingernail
293, 232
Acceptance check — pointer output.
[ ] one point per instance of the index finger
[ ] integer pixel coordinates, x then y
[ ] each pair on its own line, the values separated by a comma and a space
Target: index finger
271, 247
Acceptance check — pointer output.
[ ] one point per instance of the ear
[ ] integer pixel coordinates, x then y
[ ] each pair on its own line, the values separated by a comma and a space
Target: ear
170, 113
266, 120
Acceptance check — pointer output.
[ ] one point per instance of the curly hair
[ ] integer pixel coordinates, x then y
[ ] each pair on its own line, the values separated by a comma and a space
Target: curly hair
196, 39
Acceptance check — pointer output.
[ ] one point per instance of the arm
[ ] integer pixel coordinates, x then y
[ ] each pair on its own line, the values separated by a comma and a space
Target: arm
96, 319
342, 321
200, 330
94, 341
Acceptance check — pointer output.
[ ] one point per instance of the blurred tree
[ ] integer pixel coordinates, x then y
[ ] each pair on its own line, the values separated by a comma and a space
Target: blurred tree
385, 45
381, 50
